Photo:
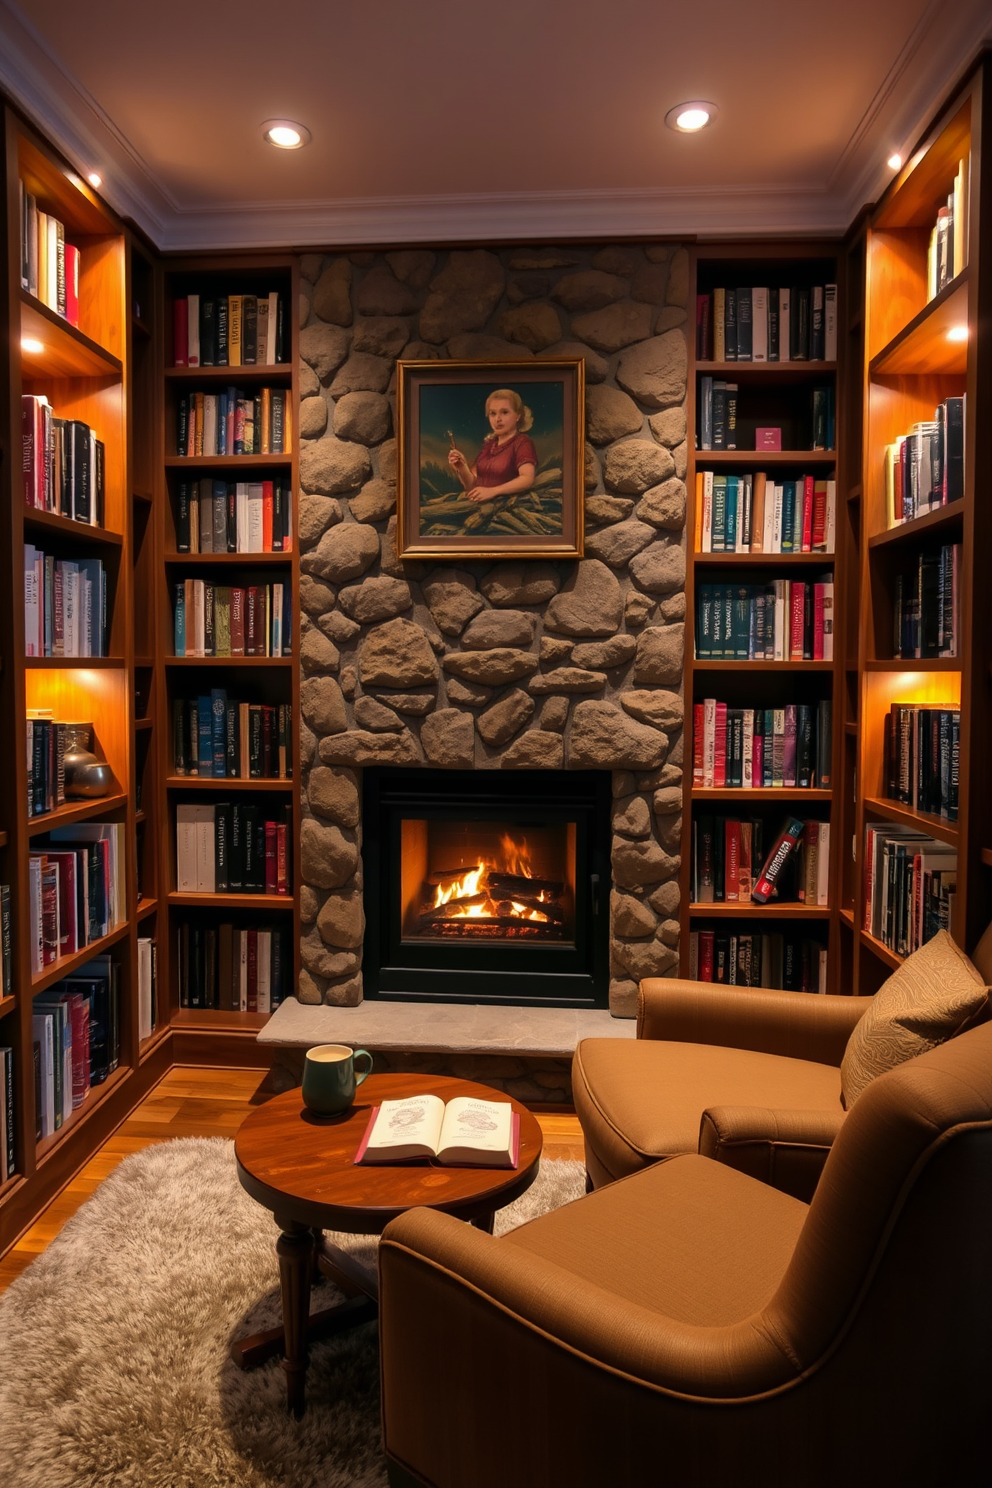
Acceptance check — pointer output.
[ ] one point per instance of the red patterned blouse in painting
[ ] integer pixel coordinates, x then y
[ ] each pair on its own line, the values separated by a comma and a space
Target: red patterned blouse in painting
499, 463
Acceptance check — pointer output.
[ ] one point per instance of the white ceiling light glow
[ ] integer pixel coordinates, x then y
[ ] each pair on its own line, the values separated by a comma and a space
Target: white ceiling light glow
95, 180
285, 134
689, 118
958, 333
31, 345
895, 162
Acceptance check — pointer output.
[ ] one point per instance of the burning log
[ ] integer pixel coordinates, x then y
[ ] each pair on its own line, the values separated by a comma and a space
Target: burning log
516, 886
453, 910
442, 877
550, 911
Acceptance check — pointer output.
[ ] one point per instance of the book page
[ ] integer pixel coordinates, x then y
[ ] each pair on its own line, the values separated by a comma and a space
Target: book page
476, 1126
409, 1128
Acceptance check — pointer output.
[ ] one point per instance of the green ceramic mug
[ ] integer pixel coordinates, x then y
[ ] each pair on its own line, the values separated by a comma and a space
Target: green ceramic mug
329, 1078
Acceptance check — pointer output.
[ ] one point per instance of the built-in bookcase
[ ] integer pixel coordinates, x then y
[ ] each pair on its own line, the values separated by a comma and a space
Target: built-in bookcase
87, 372
922, 349
779, 394
265, 681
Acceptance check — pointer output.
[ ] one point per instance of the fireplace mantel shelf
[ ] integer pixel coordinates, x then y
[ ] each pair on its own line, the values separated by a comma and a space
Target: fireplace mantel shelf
448, 1028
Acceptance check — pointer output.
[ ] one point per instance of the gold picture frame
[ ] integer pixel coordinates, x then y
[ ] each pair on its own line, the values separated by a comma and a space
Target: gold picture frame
516, 427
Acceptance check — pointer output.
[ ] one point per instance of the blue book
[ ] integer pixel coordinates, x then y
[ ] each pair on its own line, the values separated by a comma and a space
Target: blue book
222, 407
205, 736
719, 513
218, 734
730, 518
180, 637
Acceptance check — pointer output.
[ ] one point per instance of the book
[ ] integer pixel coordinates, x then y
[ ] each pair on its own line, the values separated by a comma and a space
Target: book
464, 1133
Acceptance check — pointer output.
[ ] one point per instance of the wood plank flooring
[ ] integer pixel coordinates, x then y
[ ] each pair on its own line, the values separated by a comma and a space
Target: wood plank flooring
197, 1102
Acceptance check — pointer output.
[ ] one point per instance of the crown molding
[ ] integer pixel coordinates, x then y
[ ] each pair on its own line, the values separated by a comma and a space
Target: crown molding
943, 43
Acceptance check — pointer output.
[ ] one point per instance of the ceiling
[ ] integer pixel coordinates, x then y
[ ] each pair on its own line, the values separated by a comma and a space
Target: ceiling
448, 120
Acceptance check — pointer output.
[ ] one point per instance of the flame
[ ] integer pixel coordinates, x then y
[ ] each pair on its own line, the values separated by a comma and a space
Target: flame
516, 860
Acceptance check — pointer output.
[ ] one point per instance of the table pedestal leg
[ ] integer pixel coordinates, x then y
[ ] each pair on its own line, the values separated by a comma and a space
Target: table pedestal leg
295, 1251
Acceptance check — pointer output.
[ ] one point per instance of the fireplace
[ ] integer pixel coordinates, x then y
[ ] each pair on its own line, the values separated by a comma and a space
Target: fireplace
487, 886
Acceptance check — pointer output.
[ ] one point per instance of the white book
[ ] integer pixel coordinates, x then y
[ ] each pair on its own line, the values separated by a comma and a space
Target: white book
707, 525
186, 849
797, 519
784, 329
263, 977
830, 322
273, 324
823, 866
776, 504
781, 621
205, 850
469, 1132
709, 742
199, 620
255, 544
32, 602
241, 515
144, 987
36, 946
70, 601
759, 325
193, 330
210, 425
830, 532
748, 749
768, 527
43, 1033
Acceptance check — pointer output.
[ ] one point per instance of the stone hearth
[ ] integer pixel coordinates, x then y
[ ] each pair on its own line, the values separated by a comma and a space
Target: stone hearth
494, 666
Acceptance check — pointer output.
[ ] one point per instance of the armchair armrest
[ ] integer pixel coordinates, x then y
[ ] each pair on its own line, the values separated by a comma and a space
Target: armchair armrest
800, 1025
785, 1149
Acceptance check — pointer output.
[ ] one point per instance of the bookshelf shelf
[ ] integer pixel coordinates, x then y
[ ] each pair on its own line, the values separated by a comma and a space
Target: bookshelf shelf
66, 965
223, 662
741, 795
758, 458
761, 666
758, 911
66, 351
83, 811
98, 1096
228, 462
226, 783
879, 951
4, 839
157, 1036
273, 372
921, 348
7, 1004
768, 371
219, 1020
88, 663
943, 523
921, 821
142, 725
282, 902
918, 664
145, 908
239, 560
80, 532
847, 917
762, 560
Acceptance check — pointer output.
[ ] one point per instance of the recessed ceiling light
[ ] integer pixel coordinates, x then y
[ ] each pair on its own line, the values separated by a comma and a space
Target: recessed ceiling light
958, 333
894, 162
31, 346
95, 181
688, 118
284, 134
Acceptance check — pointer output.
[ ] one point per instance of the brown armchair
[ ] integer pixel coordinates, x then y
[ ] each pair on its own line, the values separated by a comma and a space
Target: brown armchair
688, 1326
766, 1063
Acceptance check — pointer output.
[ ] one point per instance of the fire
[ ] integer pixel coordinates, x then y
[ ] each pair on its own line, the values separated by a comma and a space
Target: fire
472, 885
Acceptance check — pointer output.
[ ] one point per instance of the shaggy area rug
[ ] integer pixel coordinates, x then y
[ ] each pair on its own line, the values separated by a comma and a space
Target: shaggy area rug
115, 1371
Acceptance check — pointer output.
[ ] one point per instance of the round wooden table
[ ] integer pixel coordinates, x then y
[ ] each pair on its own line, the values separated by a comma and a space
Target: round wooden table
302, 1168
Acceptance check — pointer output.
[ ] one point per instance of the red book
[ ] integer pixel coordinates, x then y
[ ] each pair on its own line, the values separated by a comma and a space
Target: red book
706, 939
237, 622
744, 872
72, 284
253, 971
270, 857
282, 858
267, 504
698, 724
254, 640
784, 846
720, 759
79, 1013
33, 450
797, 622
732, 861
818, 593
807, 513
180, 331
819, 515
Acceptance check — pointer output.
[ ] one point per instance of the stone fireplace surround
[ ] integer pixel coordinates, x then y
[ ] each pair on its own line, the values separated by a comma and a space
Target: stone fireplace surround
505, 665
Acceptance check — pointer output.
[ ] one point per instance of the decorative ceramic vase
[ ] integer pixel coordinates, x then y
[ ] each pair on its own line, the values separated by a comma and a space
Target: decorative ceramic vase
86, 776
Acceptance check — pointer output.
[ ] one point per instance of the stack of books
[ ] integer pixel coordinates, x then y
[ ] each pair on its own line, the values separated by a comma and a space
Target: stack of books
920, 757
947, 252
222, 739
761, 748
718, 417
76, 1029
236, 330
228, 620
75, 890
730, 864
229, 966
784, 620
49, 265
232, 848
791, 324
229, 423
65, 605
924, 469
925, 606
746, 959
752, 514
234, 516
63, 463
910, 883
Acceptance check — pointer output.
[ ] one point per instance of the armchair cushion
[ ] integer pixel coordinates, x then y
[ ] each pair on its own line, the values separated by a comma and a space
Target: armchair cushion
934, 995
639, 1102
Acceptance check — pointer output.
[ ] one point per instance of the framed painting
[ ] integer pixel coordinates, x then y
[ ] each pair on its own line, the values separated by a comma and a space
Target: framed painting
490, 459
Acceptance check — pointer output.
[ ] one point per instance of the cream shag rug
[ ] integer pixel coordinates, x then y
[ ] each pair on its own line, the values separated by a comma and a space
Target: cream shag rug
114, 1369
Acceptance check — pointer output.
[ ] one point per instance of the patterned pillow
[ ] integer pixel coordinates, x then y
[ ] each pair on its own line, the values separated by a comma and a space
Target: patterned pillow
932, 996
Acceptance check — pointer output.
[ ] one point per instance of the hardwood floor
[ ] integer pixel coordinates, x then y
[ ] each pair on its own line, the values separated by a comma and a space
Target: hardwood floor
197, 1102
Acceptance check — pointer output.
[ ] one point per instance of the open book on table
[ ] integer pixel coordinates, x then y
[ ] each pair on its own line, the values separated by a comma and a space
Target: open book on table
465, 1132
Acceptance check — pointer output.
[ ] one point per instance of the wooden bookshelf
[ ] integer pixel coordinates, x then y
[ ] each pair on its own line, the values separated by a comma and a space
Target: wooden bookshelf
85, 372
777, 394
909, 366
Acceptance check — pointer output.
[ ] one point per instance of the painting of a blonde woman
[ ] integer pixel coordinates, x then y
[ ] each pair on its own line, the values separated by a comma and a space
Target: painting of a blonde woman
507, 461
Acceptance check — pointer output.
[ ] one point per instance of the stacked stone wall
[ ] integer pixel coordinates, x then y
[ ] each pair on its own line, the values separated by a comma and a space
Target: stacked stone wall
506, 665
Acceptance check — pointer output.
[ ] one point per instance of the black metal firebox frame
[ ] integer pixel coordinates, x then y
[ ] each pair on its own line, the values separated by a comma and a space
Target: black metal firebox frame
534, 974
